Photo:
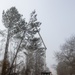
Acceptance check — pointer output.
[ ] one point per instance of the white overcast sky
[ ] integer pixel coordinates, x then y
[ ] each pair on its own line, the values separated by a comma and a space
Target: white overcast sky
57, 17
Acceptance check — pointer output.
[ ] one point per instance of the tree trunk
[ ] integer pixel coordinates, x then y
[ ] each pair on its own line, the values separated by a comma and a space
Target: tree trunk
10, 69
5, 60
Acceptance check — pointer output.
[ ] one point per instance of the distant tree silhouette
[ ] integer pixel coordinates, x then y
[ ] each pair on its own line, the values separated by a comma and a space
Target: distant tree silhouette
66, 58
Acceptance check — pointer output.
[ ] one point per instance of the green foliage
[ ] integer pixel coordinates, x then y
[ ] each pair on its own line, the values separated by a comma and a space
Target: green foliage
13, 21
34, 44
10, 17
33, 24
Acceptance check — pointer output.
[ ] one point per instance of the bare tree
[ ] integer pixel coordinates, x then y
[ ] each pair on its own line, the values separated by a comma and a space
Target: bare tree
66, 57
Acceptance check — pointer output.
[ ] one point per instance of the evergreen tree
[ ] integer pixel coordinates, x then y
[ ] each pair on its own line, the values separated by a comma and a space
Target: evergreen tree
35, 61
13, 22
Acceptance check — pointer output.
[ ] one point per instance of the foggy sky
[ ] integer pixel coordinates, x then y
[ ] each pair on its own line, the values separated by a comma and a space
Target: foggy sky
57, 17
